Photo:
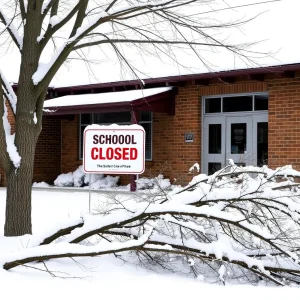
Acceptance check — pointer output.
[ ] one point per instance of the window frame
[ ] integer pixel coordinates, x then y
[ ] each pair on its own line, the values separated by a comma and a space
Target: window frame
222, 96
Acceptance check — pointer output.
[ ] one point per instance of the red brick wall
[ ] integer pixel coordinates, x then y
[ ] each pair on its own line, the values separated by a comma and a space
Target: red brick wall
171, 155
284, 122
70, 145
48, 152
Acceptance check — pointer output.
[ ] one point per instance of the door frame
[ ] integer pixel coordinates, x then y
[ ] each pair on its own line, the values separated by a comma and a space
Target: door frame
257, 116
205, 156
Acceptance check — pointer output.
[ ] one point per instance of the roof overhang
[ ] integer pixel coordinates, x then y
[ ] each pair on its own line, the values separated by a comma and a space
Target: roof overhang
154, 100
257, 73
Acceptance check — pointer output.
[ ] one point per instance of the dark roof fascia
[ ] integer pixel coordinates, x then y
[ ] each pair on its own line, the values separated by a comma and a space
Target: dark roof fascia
181, 78
160, 103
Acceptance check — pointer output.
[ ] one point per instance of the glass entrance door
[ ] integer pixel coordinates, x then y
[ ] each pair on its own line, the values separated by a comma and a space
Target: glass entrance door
239, 140
244, 139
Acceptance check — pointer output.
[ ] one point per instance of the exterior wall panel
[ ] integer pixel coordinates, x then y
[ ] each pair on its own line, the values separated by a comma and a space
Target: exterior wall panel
284, 122
48, 152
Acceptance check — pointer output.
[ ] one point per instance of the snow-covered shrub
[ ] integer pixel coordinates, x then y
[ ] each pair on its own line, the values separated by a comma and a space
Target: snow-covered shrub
163, 183
40, 184
94, 178
150, 183
144, 183
80, 179
105, 182
64, 180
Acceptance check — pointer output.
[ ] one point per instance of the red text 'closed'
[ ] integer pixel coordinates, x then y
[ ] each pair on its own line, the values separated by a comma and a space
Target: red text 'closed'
114, 153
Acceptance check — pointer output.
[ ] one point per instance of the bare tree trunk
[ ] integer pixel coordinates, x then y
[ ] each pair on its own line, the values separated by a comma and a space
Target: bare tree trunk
19, 180
18, 201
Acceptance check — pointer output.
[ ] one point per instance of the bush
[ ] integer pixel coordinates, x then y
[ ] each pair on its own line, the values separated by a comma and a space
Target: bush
150, 183
80, 179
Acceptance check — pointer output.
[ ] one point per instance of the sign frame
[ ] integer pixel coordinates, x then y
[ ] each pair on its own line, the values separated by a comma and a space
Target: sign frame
130, 130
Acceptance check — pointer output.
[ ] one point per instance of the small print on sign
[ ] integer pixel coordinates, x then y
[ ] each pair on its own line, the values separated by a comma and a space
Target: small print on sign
114, 149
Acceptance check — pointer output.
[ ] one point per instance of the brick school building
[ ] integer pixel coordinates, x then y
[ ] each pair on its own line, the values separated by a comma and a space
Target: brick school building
251, 116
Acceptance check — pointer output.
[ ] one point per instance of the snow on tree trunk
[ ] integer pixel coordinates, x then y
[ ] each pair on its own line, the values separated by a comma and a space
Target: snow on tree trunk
19, 180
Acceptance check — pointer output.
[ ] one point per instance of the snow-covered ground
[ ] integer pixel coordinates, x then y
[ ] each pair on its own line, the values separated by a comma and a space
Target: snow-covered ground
104, 277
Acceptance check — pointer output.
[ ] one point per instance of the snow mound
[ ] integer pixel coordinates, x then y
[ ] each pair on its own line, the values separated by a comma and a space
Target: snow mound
40, 184
105, 182
80, 179
64, 180
151, 183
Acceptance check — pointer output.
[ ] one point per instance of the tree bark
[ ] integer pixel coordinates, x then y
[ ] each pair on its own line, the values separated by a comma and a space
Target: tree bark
29, 106
18, 202
19, 180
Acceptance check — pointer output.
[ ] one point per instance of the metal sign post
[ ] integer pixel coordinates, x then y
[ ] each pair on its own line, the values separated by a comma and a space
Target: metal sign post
90, 176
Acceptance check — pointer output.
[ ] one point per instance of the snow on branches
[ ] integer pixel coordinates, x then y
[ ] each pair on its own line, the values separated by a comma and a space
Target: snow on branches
242, 219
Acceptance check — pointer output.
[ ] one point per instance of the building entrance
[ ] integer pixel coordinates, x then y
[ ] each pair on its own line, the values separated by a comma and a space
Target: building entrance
240, 136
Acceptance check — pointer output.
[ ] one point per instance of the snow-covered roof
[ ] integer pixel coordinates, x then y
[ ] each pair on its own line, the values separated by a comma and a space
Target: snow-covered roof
113, 97
154, 99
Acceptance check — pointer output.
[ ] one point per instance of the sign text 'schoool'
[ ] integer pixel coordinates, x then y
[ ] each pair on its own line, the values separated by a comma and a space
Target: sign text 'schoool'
118, 153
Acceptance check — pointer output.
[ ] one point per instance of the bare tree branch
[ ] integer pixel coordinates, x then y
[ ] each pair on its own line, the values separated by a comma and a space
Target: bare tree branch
22, 9
127, 41
11, 29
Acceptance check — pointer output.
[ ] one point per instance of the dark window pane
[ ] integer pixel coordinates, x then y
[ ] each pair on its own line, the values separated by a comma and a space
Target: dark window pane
262, 143
82, 141
213, 167
145, 116
261, 102
239, 103
110, 118
238, 138
148, 147
214, 137
212, 105
86, 119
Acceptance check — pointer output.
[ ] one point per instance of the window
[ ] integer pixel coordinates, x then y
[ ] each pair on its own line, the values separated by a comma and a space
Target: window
215, 138
236, 103
120, 118
262, 143
213, 105
261, 102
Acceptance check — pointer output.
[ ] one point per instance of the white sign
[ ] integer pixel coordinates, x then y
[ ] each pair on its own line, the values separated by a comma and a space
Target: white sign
114, 149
